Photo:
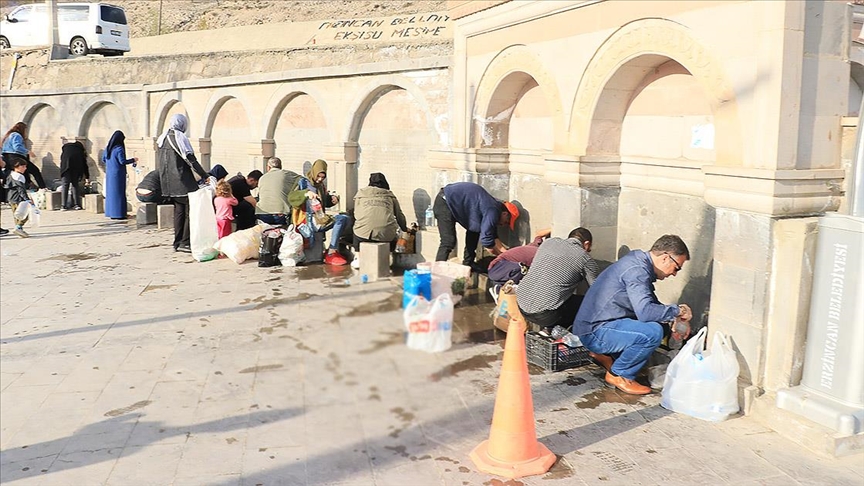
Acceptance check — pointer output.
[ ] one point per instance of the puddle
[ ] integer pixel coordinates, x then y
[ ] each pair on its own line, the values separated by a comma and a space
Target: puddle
402, 414
157, 287
469, 364
498, 482
472, 324
256, 369
574, 381
73, 257
607, 395
284, 300
390, 339
316, 271
130, 408
392, 303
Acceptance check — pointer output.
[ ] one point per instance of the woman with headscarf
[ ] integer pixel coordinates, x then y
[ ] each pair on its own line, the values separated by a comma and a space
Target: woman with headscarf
313, 188
115, 161
377, 215
179, 173
15, 143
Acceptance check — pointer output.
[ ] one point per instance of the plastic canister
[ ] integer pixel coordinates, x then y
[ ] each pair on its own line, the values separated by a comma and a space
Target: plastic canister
416, 282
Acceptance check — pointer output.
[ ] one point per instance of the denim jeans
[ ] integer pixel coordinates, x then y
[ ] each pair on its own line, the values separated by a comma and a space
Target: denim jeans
339, 222
70, 195
629, 341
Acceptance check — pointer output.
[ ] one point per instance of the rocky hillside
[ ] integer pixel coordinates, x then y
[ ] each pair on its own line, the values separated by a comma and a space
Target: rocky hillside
186, 15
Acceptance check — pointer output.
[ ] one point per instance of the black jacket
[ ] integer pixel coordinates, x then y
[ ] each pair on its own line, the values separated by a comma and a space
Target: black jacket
73, 162
175, 175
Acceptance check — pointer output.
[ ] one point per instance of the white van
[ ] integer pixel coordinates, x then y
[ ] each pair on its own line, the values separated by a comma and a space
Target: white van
84, 27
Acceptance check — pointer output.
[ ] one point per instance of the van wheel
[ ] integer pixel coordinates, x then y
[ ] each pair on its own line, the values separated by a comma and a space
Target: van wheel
4, 43
78, 47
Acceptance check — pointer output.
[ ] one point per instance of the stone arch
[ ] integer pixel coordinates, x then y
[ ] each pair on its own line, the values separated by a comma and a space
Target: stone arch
375, 90
498, 90
45, 130
165, 105
217, 100
391, 123
90, 107
30, 112
619, 66
284, 95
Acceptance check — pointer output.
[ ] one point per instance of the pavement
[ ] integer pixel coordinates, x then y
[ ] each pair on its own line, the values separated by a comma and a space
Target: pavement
124, 363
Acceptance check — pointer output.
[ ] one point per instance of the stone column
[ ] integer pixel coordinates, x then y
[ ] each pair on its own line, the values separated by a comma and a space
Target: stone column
585, 193
205, 147
761, 230
342, 172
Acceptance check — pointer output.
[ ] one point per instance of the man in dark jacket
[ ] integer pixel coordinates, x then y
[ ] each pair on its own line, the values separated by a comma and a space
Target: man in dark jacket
241, 187
478, 212
149, 190
73, 168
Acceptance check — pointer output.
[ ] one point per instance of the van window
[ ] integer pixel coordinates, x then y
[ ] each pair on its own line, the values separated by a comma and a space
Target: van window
22, 14
113, 14
73, 13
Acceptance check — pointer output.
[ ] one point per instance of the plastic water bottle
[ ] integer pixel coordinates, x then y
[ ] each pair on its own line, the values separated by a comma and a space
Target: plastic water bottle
318, 210
566, 337
679, 328
430, 217
361, 279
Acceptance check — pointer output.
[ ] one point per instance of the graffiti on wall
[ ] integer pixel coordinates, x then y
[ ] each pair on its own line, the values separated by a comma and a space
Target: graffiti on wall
425, 26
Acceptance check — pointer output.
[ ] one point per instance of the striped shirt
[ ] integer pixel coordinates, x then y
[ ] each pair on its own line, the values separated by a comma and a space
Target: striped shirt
557, 269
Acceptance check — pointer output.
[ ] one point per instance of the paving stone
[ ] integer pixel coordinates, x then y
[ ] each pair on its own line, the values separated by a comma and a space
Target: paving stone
176, 372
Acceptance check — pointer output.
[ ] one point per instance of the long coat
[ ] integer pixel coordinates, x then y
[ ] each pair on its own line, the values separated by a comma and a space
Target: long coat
73, 162
175, 175
115, 182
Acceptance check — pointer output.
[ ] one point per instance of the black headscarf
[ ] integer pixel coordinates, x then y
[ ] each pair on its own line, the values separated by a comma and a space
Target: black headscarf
218, 172
377, 179
116, 140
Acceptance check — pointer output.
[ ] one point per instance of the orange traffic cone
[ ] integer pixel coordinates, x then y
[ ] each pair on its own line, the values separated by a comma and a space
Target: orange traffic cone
512, 450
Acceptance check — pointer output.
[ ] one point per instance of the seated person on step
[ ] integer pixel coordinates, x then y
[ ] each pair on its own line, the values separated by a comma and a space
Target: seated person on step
547, 293
377, 215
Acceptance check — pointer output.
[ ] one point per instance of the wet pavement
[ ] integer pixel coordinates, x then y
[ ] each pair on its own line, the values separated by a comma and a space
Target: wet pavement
124, 363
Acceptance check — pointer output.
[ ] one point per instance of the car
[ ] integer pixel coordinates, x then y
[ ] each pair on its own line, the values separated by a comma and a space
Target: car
84, 27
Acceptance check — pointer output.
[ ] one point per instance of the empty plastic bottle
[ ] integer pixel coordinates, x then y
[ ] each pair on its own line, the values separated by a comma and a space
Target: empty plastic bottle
566, 337
430, 217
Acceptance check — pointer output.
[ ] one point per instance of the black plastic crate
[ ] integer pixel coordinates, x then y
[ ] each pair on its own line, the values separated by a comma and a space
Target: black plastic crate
552, 356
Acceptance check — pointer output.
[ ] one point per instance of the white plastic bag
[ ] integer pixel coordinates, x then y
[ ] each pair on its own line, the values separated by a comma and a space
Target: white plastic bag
703, 384
23, 209
291, 251
35, 216
202, 224
429, 324
241, 245
450, 278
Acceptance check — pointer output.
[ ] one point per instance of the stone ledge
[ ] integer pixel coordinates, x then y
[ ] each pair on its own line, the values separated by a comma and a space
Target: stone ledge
811, 435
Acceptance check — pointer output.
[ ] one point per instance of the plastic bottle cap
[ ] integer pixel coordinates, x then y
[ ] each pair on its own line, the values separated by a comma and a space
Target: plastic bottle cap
364, 278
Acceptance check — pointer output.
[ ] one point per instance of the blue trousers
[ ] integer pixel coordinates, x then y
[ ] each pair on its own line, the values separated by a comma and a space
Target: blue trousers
629, 341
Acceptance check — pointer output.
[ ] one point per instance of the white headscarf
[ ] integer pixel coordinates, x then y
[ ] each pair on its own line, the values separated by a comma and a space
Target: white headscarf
178, 124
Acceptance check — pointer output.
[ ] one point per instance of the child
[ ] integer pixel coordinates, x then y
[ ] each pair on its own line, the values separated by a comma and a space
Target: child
224, 202
16, 192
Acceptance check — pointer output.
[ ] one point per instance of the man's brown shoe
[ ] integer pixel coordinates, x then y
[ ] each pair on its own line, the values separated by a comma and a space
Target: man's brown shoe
602, 360
627, 386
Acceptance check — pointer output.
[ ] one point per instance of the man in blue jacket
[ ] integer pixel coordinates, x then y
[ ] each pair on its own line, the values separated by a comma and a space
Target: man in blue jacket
478, 212
621, 316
